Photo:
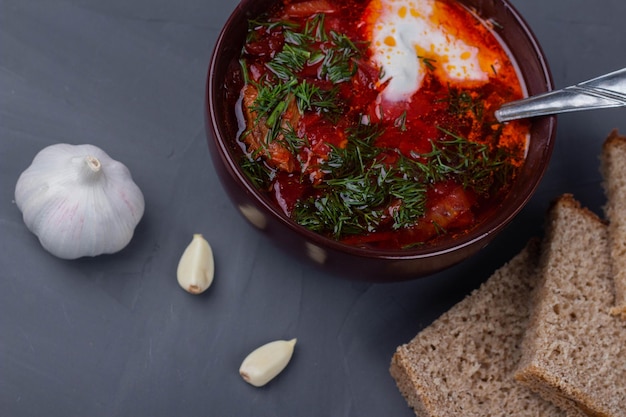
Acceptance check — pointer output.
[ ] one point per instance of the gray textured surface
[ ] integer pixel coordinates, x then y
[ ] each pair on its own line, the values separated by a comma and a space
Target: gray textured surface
115, 335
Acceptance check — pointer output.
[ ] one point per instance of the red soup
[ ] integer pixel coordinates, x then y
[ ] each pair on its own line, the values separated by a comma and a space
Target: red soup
372, 122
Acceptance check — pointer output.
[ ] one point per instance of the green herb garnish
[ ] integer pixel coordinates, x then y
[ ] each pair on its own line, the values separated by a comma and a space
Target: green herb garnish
339, 63
471, 164
400, 122
462, 102
364, 188
291, 140
271, 102
301, 49
290, 61
313, 98
259, 174
362, 191
429, 63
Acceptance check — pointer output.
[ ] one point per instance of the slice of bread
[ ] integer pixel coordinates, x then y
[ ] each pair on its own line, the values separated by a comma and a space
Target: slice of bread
574, 351
613, 167
463, 363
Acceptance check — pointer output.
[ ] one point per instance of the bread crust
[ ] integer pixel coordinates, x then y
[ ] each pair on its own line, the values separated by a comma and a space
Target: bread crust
463, 363
613, 169
573, 351
564, 343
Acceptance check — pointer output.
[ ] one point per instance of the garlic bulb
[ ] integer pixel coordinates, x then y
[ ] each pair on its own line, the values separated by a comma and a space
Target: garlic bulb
78, 201
196, 266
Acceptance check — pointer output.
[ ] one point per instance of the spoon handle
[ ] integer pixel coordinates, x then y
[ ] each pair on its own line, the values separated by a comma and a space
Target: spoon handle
608, 90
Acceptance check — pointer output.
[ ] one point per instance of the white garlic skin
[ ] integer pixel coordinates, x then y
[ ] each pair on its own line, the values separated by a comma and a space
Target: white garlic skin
79, 201
196, 267
266, 362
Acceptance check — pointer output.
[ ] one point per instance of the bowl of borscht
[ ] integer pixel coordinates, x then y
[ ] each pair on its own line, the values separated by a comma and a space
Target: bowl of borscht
360, 134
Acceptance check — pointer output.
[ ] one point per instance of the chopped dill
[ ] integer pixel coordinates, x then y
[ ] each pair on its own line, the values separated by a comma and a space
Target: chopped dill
288, 62
474, 165
429, 63
291, 139
364, 188
313, 98
462, 102
259, 174
300, 50
339, 63
271, 102
361, 186
400, 122
495, 23
315, 28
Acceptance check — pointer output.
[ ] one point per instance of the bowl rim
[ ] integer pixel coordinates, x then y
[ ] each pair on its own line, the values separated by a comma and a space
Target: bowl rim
483, 231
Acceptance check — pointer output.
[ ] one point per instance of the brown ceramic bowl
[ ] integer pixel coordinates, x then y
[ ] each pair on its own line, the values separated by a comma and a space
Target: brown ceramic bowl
349, 261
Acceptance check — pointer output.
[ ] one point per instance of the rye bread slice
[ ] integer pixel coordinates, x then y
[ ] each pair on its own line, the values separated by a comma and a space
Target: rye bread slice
574, 351
613, 167
463, 363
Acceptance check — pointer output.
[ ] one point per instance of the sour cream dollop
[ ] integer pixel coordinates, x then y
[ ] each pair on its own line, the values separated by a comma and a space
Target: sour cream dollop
405, 33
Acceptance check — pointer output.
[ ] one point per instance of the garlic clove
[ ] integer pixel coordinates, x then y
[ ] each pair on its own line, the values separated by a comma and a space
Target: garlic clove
196, 266
266, 362
79, 201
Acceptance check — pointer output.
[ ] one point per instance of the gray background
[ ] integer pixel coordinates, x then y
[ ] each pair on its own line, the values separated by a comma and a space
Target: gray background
115, 335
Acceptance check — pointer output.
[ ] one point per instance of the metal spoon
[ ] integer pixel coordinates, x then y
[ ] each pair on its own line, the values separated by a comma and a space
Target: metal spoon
606, 91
